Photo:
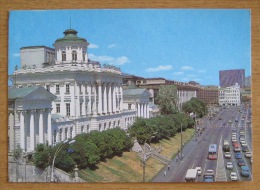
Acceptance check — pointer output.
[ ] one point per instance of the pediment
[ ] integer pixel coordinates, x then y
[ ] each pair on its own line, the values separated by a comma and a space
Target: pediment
40, 94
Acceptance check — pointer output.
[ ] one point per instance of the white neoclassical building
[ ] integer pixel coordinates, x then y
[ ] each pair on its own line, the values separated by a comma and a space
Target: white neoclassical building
230, 95
88, 96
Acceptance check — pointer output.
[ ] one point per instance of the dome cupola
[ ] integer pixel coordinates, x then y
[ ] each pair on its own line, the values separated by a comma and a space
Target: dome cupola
71, 48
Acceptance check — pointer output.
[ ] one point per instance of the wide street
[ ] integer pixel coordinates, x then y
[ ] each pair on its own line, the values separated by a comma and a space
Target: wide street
228, 120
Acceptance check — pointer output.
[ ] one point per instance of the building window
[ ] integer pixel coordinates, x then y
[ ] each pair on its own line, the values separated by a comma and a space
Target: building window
83, 56
60, 135
48, 88
82, 129
74, 55
63, 56
57, 89
80, 109
57, 108
67, 88
68, 109
129, 106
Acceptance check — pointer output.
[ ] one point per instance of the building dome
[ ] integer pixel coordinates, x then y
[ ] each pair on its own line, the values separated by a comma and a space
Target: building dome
70, 36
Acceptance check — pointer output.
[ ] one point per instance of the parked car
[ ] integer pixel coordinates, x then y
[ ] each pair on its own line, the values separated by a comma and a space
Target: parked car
245, 171
229, 165
233, 176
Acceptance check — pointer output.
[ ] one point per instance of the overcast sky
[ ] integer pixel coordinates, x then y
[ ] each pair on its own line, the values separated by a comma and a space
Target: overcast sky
176, 44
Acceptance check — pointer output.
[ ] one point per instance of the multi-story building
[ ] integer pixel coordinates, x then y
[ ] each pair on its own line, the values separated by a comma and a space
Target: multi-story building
185, 91
208, 94
248, 81
230, 77
230, 95
88, 96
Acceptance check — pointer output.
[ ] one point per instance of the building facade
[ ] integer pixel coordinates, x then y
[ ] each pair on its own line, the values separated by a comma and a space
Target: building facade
208, 95
230, 77
230, 95
88, 96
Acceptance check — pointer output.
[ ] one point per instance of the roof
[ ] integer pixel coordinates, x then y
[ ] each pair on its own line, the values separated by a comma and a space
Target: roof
56, 116
70, 36
14, 93
136, 91
36, 47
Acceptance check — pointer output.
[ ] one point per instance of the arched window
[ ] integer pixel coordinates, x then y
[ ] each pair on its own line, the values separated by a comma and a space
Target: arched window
74, 55
63, 56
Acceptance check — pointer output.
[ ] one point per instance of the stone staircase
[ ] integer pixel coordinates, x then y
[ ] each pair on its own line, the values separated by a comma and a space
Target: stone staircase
151, 152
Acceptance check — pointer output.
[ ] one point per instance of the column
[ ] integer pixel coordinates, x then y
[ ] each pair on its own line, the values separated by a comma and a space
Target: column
89, 99
109, 98
49, 127
147, 114
32, 137
41, 133
99, 98
94, 109
145, 110
142, 110
22, 131
121, 98
139, 109
117, 98
105, 98
114, 99
83, 89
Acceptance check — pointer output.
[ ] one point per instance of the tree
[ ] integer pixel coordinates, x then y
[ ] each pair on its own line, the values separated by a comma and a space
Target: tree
196, 106
42, 156
168, 99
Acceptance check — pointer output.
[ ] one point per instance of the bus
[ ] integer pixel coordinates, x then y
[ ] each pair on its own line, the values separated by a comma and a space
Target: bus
212, 154
191, 175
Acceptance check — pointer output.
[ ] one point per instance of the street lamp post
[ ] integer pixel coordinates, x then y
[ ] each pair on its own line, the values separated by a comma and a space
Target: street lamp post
56, 153
181, 144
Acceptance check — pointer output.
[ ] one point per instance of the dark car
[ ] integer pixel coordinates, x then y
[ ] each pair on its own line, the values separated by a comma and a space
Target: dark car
241, 162
245, 149
238, 155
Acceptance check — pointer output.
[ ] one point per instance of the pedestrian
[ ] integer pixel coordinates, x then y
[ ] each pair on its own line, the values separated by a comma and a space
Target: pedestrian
169, 166
164, 172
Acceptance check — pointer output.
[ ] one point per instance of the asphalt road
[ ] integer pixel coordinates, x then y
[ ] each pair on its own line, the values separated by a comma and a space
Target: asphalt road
196, 151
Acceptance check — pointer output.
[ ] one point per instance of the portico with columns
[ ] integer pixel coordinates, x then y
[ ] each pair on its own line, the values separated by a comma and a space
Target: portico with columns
31, 109
137, 99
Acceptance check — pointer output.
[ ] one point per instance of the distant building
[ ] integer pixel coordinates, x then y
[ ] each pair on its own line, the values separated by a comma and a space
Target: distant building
248, 81
230, 77
230, 95
208, 95
185, 91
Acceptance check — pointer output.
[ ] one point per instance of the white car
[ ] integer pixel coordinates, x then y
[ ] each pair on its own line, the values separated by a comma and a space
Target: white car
229, 165
242, 142
248, 155
234, 139
233, 176
210, 172
227, 155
